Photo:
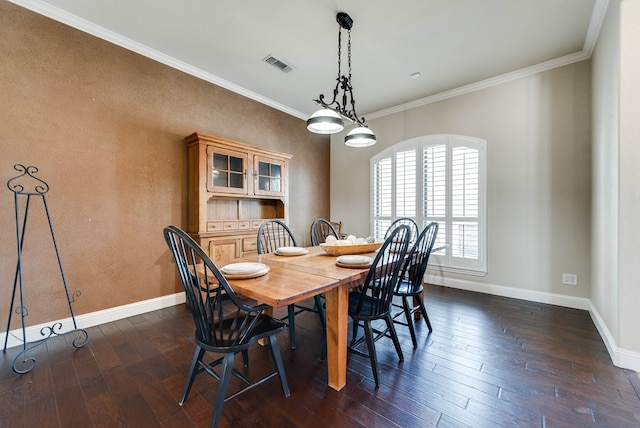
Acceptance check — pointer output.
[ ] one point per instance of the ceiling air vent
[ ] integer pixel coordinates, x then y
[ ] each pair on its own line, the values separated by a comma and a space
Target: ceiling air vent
280, 65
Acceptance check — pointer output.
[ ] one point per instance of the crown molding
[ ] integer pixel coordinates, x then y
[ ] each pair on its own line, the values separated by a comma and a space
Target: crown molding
483, 84
124, 42
597, 17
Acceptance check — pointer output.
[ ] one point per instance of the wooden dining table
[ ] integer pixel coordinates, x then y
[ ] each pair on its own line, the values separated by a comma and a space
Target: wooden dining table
294, 278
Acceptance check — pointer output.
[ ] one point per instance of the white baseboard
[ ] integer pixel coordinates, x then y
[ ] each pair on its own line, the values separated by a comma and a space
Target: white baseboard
622, 358
33, 333
516, 293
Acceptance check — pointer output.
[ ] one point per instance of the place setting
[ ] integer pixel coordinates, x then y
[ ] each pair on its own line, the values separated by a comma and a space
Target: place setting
354, 261
244, 270
291, 251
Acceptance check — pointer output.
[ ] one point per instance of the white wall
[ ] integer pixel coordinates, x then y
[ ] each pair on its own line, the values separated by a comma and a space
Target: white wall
538, 133
629, 178
616, 195
606, 94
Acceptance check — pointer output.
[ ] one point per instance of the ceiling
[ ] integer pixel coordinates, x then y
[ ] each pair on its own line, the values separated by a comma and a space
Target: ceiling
456, 45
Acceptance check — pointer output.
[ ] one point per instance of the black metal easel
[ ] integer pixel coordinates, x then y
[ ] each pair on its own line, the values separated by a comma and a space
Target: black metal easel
27, 185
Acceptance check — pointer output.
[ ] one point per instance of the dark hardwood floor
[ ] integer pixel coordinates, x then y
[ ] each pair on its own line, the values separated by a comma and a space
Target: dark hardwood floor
490, 361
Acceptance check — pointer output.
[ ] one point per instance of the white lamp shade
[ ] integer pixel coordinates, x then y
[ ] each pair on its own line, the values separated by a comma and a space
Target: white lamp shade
325, 121
360, 137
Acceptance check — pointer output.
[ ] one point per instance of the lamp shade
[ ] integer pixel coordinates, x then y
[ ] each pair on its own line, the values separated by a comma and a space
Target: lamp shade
360, 137
325, 121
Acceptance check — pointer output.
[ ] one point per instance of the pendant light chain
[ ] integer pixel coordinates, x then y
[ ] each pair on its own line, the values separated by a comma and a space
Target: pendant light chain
349, 53
339, 50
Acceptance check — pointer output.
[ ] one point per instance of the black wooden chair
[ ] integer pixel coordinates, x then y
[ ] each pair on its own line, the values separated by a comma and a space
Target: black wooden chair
224, 324
372, 301
272, 235
411, 279
413, 226
320, 229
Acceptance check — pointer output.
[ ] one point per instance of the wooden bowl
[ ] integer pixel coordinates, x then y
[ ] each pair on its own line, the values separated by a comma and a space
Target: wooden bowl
340, 250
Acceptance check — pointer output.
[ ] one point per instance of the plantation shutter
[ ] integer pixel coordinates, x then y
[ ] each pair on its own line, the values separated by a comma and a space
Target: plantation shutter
382, 196
464, 202
437, 178
435, 189
406, 185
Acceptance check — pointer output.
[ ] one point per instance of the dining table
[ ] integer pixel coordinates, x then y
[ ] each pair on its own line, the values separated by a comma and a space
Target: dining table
291, 279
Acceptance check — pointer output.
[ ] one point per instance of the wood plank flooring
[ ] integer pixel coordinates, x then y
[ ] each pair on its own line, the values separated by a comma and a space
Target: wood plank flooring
490, 362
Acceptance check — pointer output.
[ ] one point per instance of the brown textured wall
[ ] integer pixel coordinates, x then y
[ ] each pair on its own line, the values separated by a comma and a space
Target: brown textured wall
105, 128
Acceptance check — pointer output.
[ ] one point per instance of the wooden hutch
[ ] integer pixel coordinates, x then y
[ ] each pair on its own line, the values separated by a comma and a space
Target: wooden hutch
233, 188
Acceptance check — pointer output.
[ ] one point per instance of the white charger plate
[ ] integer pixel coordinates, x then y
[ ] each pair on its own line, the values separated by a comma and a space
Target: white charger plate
291, 251
243, 268
250, 275
354, 262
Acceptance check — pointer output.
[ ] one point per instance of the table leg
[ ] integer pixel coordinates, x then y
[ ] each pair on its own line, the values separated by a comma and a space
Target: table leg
417, 315
265, 341
336, 313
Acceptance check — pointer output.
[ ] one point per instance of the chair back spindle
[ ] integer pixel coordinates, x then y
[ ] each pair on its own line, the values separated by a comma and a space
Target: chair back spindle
413, 226
274, 234
320, 229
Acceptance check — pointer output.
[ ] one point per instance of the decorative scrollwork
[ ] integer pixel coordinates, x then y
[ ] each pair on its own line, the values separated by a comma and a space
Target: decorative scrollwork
23, 365
26, 183
50, 331
22, 310
347, 98
27, 363
75, 294
81, 339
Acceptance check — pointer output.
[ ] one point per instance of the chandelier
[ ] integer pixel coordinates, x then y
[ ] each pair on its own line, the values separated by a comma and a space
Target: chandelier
330, 119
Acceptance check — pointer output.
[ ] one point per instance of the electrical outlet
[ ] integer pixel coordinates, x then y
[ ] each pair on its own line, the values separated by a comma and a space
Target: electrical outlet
570, 279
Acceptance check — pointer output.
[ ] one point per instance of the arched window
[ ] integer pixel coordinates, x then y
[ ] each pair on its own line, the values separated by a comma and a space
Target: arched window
436, 178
